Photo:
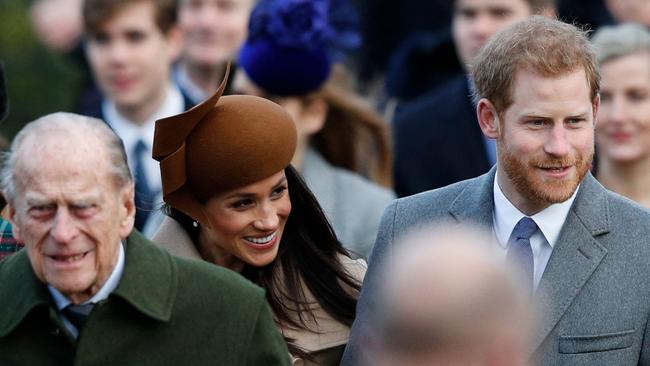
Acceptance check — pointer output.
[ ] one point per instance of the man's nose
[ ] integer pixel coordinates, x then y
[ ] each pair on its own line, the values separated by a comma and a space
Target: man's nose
117, 52
64, 228
557, 143
483, 27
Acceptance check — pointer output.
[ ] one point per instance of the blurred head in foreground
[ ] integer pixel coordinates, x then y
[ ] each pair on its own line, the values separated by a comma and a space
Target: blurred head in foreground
447, 300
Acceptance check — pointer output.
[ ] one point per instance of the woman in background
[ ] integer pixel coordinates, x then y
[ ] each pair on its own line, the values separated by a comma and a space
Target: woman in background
234, 200
343, 147
623, 128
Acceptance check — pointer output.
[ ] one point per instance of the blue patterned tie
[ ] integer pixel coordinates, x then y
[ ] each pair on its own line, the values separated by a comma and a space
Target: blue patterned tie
77, 314
144, 195
520, 252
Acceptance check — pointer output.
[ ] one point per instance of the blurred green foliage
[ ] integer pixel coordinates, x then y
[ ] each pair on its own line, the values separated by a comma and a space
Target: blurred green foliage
39, 81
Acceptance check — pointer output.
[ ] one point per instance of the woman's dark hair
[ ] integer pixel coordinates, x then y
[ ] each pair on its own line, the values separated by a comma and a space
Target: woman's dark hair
309, 253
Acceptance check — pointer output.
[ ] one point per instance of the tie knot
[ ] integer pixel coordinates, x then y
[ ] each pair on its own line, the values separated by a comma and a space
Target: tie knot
524, 228
77, 314
139, 147
84, 309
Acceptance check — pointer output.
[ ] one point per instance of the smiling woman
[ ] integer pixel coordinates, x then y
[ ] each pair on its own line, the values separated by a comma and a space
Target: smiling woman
234, 200
623, 129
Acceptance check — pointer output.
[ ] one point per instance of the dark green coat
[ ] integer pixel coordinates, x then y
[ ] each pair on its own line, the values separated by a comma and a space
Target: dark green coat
165, 311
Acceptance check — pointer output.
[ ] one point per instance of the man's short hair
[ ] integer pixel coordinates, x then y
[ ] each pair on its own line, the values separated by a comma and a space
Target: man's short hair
620, 40
63, 123
97, 12
539, 44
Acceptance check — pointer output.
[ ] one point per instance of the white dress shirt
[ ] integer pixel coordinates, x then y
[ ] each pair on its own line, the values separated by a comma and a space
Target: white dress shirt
62, 301
193, 91
131, 133
549, 221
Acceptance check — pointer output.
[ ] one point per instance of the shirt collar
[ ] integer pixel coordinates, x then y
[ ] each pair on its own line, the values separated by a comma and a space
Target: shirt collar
550, 220
131, 132
62, 301
193, 91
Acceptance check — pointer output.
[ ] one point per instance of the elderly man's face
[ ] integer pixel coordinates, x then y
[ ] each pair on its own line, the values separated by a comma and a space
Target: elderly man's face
70, 214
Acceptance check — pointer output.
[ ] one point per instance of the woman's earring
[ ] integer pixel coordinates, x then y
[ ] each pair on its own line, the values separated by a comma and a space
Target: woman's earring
195, 223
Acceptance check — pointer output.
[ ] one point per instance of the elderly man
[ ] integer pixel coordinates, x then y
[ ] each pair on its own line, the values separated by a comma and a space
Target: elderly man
585, 248
447, 300
88, 289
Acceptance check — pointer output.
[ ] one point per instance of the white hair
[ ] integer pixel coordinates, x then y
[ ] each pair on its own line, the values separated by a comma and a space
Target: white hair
65, 123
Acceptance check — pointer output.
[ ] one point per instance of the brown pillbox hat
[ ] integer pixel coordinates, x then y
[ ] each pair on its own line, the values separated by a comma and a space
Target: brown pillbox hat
219, 145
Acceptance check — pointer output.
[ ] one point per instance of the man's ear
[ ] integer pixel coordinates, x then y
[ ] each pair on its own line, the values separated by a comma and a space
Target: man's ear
314, 114
126, 210
488, 118
175, 41
15, 228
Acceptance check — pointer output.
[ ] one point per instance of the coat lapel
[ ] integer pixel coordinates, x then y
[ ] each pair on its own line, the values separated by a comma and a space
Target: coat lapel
575, 257
476, 202
20, 290
150, 279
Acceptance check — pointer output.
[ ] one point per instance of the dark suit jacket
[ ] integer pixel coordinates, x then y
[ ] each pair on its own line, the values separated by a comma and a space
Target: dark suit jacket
165, 311
438, 140
595, 292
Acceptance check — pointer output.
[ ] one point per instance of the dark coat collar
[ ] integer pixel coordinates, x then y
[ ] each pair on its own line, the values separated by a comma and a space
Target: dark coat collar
149, 284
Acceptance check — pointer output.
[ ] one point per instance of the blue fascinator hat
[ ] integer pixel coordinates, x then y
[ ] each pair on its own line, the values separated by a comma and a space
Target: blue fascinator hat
292, 44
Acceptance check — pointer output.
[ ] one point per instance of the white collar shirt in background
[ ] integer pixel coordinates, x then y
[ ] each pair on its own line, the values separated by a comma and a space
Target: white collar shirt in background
131, 133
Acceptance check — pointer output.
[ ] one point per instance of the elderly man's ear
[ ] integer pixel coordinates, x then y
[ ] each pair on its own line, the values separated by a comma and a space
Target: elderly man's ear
9, 213
126, 210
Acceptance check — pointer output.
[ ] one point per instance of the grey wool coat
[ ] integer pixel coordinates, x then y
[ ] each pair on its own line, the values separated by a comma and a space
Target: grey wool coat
165, 311
352, 203
596, 284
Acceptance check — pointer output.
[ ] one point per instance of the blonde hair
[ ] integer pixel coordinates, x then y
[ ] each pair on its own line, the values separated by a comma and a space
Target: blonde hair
621, 40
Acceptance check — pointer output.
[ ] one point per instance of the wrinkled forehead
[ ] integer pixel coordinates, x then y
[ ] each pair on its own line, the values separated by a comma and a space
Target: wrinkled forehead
72, 155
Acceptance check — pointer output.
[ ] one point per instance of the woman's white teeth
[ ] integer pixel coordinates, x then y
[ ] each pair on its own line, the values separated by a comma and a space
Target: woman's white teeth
263, 240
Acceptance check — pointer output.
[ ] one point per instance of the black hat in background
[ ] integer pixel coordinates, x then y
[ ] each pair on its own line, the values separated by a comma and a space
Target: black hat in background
3, 94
